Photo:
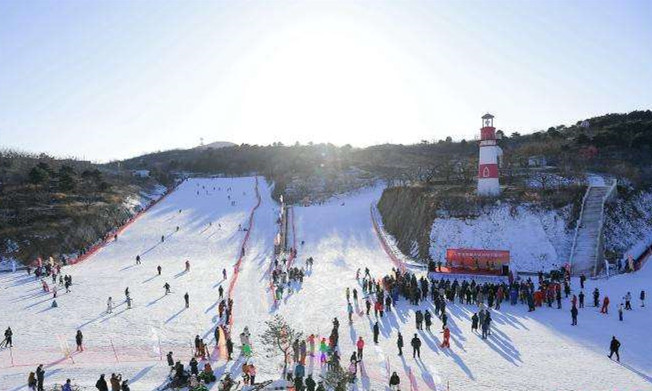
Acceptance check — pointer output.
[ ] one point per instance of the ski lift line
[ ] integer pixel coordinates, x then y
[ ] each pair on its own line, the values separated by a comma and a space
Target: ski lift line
109, 239
236, 267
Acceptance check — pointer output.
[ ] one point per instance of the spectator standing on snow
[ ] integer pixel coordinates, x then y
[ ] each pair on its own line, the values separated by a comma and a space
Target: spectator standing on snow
620, 312
158, 268
628, 301
360, 346
416, 346
40, 376
31, 381
109, 305
581, 297
167, 288
642, 297
170, 359
394, 382
115, 382
574, 316
399, 343
186, 298
101, 384
614, 347
376, 332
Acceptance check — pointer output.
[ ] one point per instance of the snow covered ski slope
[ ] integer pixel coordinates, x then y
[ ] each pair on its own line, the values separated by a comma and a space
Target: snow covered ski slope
208, 237
526, 351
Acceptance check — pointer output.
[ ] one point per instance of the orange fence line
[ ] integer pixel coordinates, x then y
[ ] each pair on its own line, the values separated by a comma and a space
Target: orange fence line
398, 262
236, 267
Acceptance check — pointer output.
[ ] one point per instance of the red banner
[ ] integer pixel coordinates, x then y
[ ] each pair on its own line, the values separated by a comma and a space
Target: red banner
477, 259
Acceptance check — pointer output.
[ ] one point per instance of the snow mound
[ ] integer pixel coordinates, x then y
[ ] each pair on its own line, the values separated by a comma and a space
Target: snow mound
536, 239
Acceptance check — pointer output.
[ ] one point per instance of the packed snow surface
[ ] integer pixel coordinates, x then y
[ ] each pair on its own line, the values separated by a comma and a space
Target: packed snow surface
527, 351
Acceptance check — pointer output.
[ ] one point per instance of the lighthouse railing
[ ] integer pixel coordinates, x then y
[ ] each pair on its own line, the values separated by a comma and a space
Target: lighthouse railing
577, 228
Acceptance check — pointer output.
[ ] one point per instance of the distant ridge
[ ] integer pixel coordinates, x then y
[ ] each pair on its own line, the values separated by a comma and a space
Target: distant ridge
216, 145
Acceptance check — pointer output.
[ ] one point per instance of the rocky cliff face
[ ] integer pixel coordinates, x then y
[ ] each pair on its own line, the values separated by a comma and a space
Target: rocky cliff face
408, 213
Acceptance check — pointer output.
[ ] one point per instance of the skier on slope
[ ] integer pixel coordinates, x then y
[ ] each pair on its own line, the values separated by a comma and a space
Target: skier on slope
8, 341
376, 332
349, 310
79, 338
187, 266
605, 305
399, 343
109, 305
186, 298
614, 348
224, 274
166, 286
158, 268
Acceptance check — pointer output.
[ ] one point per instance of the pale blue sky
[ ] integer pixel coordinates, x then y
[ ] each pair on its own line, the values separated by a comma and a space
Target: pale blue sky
111, 79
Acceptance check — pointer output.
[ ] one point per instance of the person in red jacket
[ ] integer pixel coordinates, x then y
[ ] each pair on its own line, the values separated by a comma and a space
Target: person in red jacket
378, 308
360, 345
447, 337
605, 305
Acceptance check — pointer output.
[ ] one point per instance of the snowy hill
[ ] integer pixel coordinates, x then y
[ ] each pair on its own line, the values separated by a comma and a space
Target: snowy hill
527, 351
537, 240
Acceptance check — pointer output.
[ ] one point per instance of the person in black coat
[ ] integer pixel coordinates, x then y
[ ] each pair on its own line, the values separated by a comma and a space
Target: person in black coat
474, 322
310, 383
394, 381
193, 366
40, 375
614, 346
101, 384
79, 339
170, 359
376, 332
229, 348
574, 316
416, 346
399, 343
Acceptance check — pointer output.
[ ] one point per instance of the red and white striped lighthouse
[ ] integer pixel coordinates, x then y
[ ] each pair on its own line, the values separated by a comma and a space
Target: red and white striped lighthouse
488, 183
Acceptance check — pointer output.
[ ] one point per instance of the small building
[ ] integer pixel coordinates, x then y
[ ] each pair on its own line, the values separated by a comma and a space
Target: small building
537, 161
140, 173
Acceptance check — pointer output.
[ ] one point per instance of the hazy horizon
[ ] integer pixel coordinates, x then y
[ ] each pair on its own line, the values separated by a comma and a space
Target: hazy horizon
111, 80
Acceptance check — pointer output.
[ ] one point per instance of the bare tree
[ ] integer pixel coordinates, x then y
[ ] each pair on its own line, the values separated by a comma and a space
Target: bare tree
279, 337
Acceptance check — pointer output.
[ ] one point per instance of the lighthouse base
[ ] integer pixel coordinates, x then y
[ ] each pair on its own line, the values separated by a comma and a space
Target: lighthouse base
488, 187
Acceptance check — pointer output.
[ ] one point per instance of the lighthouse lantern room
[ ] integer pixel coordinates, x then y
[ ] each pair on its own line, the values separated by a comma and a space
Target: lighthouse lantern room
488, 182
